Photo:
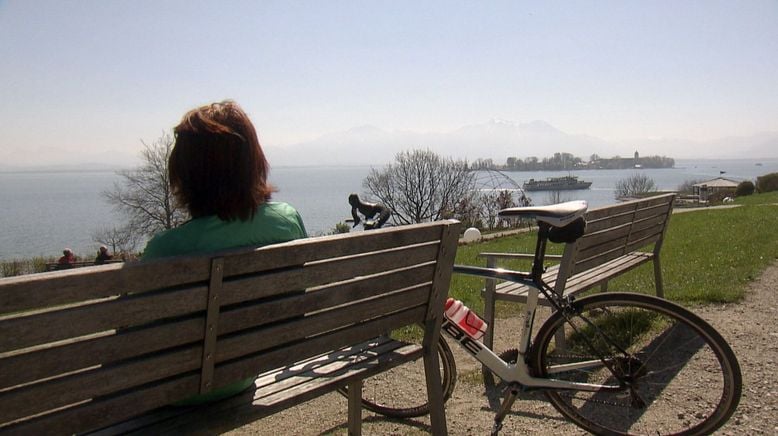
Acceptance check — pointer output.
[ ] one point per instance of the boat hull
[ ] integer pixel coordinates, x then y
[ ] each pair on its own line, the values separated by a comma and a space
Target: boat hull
556, 184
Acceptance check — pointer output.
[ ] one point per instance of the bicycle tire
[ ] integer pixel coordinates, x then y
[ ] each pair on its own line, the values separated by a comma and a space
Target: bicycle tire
685, 377
381, 395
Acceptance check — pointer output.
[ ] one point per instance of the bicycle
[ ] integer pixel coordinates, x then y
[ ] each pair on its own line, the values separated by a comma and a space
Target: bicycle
612, 363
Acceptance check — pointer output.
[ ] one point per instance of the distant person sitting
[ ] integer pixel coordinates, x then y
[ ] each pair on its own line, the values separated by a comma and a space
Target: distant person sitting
68, 259
218, 171
102, 255
370, 211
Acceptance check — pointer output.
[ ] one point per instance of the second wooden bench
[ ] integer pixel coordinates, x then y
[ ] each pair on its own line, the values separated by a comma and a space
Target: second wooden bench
614, 243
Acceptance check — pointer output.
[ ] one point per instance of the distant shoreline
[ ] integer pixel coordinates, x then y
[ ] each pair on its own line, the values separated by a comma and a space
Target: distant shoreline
105, 168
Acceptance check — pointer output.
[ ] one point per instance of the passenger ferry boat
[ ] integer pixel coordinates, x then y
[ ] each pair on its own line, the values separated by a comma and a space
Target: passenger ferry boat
563, 183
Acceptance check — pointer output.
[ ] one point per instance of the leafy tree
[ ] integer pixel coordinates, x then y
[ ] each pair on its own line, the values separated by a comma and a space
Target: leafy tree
767, 183
745, 187
635, 186
144, 194
420, 186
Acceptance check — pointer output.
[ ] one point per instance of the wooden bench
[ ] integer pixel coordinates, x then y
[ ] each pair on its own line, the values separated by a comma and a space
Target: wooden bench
613, 244
109, 348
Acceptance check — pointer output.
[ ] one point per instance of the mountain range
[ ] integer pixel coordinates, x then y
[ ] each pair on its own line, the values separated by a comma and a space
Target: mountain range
499, 139
371, 145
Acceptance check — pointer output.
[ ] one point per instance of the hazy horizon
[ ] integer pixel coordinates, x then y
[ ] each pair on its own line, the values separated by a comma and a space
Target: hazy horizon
354, 82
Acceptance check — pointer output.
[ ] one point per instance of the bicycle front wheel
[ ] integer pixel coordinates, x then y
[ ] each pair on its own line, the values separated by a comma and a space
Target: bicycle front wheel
677, 374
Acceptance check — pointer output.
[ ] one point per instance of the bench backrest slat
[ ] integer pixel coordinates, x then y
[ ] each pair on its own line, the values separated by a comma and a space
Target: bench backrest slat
613, 231
20, 331
98, 350
77, 285
120, 330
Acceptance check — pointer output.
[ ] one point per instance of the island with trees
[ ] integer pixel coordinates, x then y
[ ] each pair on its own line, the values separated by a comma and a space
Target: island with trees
566, 162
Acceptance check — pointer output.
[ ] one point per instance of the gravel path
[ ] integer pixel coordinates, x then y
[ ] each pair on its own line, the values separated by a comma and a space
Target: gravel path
749, 327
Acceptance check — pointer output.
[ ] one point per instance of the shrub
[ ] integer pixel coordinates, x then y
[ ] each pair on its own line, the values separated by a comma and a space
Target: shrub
340, 227
12, 268
717, 198
767, 183
745, 187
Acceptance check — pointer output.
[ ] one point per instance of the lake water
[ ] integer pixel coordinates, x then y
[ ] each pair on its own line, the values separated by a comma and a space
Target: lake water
43, 212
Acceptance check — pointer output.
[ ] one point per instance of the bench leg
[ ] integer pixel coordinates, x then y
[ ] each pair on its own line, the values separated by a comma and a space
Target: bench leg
489, 308
660, 288
434, 387
490, 289
355, 408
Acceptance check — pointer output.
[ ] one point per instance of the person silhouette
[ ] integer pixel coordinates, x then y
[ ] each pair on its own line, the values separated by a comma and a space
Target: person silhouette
67, 260
102, 255
370, 211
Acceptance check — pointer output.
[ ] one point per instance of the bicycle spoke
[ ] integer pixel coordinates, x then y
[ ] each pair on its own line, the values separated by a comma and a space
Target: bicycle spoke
677, 373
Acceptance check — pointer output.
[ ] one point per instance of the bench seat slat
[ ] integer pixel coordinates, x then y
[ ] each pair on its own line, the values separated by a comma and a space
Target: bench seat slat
276, 390
509, 291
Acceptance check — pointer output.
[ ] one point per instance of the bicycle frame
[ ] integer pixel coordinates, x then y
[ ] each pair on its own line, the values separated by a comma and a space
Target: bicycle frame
519, 372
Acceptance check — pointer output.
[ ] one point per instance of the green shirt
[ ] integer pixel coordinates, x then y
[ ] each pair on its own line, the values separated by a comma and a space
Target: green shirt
273, 223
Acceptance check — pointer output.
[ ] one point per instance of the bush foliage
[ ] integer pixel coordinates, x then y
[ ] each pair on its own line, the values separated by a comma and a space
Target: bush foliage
767, 183
745, 187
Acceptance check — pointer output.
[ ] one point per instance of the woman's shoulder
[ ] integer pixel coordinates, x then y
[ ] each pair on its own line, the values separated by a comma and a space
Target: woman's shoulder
279, 206
280, 211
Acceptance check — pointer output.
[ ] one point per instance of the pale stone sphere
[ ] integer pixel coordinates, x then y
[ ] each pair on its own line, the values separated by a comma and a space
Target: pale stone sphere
471, 235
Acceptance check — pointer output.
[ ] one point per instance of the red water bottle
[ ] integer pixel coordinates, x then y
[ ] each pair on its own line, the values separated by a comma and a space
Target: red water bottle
465, 318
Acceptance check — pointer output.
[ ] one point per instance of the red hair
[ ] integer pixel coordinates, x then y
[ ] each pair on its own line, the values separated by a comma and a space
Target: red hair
217, 166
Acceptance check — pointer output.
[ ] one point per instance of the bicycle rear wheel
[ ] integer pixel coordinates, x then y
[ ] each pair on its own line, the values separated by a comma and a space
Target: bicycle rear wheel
401, 392
684, 377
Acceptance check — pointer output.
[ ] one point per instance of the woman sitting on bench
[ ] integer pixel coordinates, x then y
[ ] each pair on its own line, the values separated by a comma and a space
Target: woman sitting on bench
219, 173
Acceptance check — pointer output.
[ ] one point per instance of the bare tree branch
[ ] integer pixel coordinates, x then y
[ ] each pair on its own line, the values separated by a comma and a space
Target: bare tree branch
144, 194
420, 186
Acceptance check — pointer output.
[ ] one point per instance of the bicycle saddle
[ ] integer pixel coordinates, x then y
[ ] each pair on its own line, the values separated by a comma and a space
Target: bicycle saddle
557, 215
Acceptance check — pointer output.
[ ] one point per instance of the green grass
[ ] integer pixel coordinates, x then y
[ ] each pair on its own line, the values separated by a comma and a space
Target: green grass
709, 256
17, 267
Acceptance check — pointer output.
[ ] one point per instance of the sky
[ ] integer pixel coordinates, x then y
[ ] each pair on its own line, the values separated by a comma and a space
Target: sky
87, 81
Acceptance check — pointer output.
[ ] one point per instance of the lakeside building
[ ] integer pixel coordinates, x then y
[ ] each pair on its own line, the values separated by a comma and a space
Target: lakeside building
719, 185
